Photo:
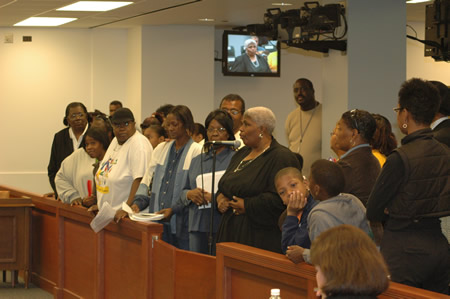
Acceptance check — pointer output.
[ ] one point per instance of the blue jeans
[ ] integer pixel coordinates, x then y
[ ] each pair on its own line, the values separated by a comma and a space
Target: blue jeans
168, 237
198, 242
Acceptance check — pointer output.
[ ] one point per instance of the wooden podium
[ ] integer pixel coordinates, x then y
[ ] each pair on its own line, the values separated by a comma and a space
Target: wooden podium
15, 232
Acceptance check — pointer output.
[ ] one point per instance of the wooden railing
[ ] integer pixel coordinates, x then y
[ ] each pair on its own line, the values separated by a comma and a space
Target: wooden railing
247, 272
182, 274
126, 261
15, 236
71, 261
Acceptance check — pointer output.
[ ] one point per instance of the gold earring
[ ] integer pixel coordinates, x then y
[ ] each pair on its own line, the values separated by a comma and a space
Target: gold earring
404, 126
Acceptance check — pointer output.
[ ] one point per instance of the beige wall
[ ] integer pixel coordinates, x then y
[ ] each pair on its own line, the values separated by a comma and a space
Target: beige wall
178, 68
39, 79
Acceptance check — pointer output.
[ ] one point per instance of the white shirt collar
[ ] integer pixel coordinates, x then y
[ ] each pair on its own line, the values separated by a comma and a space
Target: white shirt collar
76, 143
437, 122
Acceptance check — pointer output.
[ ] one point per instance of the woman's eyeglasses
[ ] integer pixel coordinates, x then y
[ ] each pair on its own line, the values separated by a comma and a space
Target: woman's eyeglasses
76, 115
213, 130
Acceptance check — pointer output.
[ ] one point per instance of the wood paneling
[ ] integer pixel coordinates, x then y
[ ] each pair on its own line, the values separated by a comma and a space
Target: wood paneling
247, 272
182, 274
45, 248
195, 275
79, 258
123, 268
163, 270
15, 235
8, 233
71, 261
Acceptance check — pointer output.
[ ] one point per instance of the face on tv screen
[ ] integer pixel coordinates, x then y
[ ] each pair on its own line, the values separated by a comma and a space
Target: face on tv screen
251, 54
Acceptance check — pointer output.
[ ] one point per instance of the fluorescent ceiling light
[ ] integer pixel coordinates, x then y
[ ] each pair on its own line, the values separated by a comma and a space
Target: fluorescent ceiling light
37, 21
416, 1
94, 6
282, 4
206, 20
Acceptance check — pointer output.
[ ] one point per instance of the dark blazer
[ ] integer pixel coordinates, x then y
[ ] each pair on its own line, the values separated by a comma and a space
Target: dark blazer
361, 170
61, 148
442, 132
244, 64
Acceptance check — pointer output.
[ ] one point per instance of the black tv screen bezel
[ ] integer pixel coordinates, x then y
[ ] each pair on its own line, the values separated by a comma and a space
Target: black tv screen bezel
225, 70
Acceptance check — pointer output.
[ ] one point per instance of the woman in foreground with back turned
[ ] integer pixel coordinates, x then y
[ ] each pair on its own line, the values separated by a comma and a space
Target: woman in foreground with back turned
348, 264
247, 195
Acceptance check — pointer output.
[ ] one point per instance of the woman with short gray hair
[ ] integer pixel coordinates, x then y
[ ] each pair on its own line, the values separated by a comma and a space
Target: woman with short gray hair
263, 117
247, 195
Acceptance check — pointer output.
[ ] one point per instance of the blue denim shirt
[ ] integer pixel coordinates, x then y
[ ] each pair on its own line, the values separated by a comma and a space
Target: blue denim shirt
168, 181
199, 219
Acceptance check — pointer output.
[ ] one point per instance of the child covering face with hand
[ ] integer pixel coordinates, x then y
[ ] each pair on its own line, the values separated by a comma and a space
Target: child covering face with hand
293, 190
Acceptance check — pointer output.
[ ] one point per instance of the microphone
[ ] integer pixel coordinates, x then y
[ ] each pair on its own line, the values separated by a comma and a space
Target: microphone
233, 143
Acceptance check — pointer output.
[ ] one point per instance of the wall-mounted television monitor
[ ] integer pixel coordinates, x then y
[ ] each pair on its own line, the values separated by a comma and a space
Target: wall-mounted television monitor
248, 55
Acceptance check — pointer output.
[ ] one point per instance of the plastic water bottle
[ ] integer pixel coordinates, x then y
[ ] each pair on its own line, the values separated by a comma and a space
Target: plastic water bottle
275, 294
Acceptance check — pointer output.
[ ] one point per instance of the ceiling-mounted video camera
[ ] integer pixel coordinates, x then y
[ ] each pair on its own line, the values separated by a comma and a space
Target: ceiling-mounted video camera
437, 36
312, 27
320, 19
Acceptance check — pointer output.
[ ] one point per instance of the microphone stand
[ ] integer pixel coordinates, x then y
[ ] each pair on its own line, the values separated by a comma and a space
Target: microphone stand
213, 201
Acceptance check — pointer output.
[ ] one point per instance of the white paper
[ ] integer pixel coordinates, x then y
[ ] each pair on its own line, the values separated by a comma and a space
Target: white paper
103, 218
141, 216
207, 184
146, 217
127, 208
